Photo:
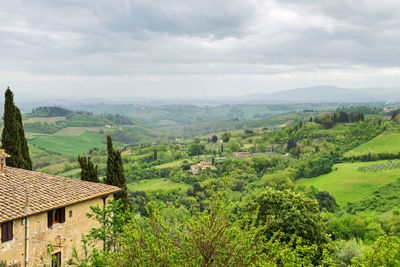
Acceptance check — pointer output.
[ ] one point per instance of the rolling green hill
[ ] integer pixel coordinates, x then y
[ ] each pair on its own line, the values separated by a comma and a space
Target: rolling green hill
387, 142
71, 145
347, 184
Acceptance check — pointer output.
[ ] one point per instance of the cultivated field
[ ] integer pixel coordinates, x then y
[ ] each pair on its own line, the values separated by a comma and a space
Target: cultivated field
72, 145
50, 120
74, 131
347, 184
386, 142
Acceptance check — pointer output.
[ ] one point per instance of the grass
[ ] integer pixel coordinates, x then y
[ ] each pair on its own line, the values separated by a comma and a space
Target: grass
73, 131
171, 164
156, 184
74, 173
71, 145
386, 142
347, 184
178, 163
50, 120
382, 200
167, 123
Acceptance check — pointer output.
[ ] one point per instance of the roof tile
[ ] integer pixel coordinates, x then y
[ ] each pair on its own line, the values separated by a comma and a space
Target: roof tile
45, 192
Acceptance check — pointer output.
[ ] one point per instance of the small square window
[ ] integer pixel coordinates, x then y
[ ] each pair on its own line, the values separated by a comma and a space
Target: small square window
7, 231
70, 213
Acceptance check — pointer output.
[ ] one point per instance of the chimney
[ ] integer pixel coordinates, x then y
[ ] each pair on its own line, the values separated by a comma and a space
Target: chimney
3, 156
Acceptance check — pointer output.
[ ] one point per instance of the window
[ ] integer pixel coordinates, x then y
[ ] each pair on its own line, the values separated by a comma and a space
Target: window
70, 213
6, 231
56, 260
55, 216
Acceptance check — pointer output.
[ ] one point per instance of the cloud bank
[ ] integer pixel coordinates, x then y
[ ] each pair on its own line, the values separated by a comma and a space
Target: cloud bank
170, 48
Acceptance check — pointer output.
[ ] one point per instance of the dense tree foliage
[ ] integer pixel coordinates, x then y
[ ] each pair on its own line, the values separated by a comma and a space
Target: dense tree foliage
13, 136
115, 172
88, 170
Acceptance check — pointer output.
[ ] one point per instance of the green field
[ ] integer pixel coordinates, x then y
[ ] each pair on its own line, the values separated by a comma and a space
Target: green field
73, 131
156, 184
72, 145
74, 173
386, 142
171, 164
347, 184
43, 120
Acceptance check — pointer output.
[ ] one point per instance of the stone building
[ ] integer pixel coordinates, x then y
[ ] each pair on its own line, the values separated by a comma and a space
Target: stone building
194, 169
38, 209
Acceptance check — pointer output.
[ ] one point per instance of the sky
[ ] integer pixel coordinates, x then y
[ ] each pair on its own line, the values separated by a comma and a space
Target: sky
176, 49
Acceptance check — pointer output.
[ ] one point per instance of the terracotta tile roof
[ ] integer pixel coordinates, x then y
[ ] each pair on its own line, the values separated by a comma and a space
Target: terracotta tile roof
45, 192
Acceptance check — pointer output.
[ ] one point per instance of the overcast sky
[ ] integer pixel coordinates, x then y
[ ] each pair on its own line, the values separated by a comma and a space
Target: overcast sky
191, 48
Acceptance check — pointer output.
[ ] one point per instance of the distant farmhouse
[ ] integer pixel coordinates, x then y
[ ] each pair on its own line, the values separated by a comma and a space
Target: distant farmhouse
38, 209
200, 166
387, 110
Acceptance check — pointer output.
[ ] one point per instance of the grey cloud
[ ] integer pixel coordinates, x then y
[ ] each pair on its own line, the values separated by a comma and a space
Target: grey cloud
205, 38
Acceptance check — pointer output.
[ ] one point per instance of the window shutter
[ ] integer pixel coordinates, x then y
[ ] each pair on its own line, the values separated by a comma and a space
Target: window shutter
62, 215
3, 232
10, 230
50, 218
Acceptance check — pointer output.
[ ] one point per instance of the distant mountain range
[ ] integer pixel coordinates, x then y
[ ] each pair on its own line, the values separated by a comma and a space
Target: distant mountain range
327, 94
314, 94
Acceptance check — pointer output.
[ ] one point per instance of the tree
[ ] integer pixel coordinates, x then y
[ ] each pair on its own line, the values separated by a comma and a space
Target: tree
214, 138
326, 121
115, 172
13, 136
88, 170
234, 145
154, 154
195, 149
294, 215
394, 115
112, 218
226, 136
291, 145
326, 201
27, 162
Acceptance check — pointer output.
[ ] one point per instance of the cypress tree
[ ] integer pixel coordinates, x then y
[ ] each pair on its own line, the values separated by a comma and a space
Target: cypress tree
115, 172
27, 162
154, 154
8, 137
13, 135
88, 170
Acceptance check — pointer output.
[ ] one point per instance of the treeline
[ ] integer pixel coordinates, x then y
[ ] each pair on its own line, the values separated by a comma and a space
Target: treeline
372, 157
45, 112
78, 119
329, 120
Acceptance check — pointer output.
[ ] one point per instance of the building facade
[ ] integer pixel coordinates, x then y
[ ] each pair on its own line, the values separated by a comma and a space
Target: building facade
40, 211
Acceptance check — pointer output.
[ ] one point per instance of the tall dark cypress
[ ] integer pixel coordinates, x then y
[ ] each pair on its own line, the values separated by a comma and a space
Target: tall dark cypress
88, 170
27, 162
115, 172
110, 179
9, 137
13, 135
